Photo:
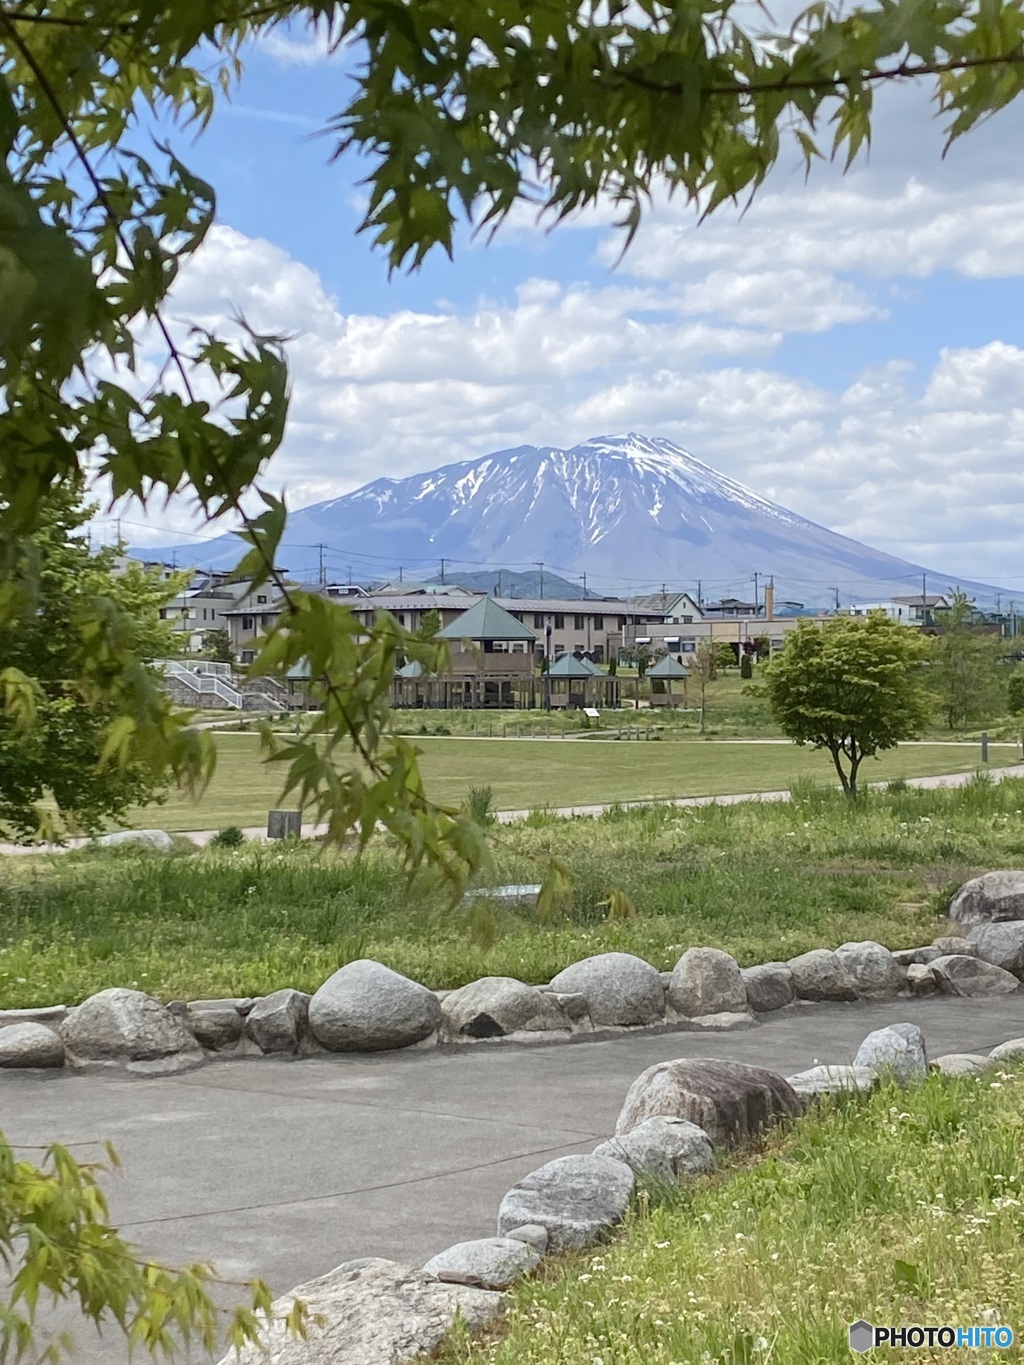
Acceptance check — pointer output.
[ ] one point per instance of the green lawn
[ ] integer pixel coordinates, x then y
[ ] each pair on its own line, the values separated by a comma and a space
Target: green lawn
904, 1207
525, 774
763, 881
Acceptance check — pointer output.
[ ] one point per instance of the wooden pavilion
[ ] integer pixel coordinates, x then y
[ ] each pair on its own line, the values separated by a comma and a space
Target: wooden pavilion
664, 675
575, 682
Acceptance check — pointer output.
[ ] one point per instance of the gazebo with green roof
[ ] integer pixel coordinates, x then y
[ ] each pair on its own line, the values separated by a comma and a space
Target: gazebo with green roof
664, 675
491, 663
576, 682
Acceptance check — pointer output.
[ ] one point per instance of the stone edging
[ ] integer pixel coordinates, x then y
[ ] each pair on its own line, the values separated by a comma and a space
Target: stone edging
674, 1116
367, 1007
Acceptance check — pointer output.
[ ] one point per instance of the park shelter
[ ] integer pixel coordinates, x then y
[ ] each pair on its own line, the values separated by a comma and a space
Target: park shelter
491, 664
576, 682
665, 676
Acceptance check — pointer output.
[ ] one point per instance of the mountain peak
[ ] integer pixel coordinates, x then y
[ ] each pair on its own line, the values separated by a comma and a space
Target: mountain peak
628, 511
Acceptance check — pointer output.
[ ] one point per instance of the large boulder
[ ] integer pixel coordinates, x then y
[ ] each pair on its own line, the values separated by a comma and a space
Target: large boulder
707, 981
663, 1146
948, 945
121, 1025
970, 976
30, 1045
916, 957
729, 1100
157, 839
1001, 943
769, 986
995, 896
921, 980
366, 1007
497, 1005
577, 1198
370, 1312
619, 989
490, 1263
898, 1050
277, 1022
1008, 1051
820, 975
874, 970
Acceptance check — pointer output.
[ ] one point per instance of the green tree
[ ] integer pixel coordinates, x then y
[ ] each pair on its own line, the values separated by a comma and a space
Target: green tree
59, 731
703, 667
643, 658
725, 656
430, 624
217, 646
1015, 692
964, 663
851, 687
746, 667
613, 664
56, 1239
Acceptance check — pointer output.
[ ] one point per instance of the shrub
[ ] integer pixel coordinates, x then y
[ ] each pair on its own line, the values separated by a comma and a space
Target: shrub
1015, 692
479, 802
746, 667
228, 837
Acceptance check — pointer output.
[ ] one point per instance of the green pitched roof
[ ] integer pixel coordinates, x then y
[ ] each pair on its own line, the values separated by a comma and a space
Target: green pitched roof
486, 620
568, 666
413, 669
669, 667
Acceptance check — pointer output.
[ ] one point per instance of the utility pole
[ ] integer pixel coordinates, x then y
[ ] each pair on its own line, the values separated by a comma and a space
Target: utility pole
499, 583
757, 606
401, 570
350, 575
540, 565
836, 591
700, 595
443, 563
924, 599
321, 573
584, 577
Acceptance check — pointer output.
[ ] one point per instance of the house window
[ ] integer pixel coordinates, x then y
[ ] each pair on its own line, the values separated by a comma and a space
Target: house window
261, 599
400, 617
248, 624
248, 655
163, 613
599, 623
266, 620
538, 619
578, 623
559, 621
622, 623
599, 654
687, 620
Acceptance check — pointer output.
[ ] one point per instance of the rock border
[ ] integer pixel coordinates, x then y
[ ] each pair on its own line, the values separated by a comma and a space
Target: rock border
366, 1007
574, 1202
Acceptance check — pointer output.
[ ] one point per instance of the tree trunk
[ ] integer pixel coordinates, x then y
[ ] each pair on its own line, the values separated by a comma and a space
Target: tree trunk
840, 770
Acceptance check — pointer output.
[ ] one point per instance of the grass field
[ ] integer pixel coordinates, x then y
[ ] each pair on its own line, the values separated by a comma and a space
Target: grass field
904, 1207
525, 774
763, 881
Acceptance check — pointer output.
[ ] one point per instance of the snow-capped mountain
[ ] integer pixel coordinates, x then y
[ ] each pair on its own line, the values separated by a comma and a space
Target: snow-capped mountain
631, 512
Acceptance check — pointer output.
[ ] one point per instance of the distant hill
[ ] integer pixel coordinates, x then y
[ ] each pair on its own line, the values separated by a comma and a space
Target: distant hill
631, 512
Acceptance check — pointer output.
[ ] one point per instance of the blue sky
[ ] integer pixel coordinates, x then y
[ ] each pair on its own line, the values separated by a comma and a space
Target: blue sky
852, 348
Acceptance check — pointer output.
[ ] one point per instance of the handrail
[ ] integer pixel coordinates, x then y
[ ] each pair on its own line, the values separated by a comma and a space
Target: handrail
207, 683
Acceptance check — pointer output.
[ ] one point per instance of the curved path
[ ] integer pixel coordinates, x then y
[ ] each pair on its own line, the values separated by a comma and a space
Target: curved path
285, 1168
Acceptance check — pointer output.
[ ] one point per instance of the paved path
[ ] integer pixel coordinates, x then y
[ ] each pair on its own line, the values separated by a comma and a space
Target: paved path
286, 1168
506, 817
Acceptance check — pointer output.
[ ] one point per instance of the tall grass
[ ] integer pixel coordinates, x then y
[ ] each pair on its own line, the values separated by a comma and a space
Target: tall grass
762, 881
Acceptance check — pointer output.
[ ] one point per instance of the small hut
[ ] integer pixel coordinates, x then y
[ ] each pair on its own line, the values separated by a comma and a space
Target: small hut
411, 685
576, 682
665, 675
492, 659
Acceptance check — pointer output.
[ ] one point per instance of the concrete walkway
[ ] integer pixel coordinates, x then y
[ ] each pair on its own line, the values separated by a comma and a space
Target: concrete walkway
285, 1168
507, 817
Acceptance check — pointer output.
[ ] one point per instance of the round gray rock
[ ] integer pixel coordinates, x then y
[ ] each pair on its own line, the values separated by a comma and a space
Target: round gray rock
832, 1080
498, 1005
124, 1025
575, 1197
533, 1235
1001, 943
874, 970
663, 1146
30, 1045
370, 1312
948, 944
969, 976
820, 975
619, 989
921, 980
961, 1064
490, 1263
897, 1050
366, 1007
216, 1025
729, 1100
769, 986
1013, 1047
995, 896
157, 839
707, 981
